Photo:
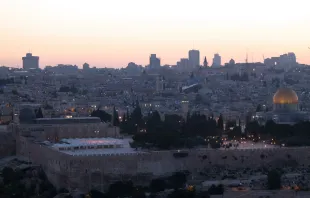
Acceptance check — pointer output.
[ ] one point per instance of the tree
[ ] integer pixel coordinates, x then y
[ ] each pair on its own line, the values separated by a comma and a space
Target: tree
202, 194
253, 127
124, 119
177, 180
220, 123
39, 113
215, 144
157, 185
180, 193
274, 180
235, 133
230, 124
63, 190
47, 106
104, 116
270, 127
127, 114
173, 122
115, 118
153, 123
127, 189
136, 115
216, 190
96, 194
259, 108
8, 175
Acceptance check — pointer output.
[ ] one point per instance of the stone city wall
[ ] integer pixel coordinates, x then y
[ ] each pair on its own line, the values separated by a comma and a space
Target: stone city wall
98, 171
56, 132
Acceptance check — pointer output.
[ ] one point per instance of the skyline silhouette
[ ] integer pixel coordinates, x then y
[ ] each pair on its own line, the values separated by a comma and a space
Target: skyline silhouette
111, 34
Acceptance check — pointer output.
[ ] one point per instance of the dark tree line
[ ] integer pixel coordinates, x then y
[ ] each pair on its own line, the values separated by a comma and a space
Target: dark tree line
274, 179
13, 186
104, 116
176, 181
172, 131
290, 135
39, 113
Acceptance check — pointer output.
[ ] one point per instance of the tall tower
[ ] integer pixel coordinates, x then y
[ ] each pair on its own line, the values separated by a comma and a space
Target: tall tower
205, 62
194, 58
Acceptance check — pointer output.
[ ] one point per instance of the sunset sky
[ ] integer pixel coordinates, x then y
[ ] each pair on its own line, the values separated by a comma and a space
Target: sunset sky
112, 33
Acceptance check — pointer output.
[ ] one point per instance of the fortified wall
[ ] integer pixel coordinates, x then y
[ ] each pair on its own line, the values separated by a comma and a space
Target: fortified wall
98, 171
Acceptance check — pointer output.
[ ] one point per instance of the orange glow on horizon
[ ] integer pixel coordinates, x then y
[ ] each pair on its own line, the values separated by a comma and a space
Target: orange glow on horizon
114, 33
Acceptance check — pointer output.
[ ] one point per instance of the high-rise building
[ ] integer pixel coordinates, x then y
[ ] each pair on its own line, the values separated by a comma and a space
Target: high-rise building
183, 64
154, 62
284, 60
217, 60
291, 58
194, 58
30, 62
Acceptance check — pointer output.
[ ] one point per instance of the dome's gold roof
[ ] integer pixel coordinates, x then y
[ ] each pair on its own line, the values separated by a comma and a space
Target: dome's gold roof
285, 96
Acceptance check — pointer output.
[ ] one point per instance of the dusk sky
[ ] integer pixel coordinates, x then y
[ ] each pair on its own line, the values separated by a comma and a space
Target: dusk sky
112, 33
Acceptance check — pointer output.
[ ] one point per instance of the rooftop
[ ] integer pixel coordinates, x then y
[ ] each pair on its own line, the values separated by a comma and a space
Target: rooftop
74, 118
94, 146
67, 120
87, 142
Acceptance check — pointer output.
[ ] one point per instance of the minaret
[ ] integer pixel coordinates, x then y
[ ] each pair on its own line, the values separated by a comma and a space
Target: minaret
205, 62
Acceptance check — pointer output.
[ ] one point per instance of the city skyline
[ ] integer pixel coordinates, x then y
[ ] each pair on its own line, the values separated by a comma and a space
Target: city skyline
116, 33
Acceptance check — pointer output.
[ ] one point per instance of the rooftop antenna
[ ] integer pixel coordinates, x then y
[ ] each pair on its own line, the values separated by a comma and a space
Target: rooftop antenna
263, 58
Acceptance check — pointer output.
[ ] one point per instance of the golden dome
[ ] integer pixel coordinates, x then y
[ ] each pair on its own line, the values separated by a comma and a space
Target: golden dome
285, 96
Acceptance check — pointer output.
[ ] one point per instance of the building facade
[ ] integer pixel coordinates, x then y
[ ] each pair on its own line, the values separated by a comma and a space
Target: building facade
154, 62
217, 60
30, 62
285, 109
194, 58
